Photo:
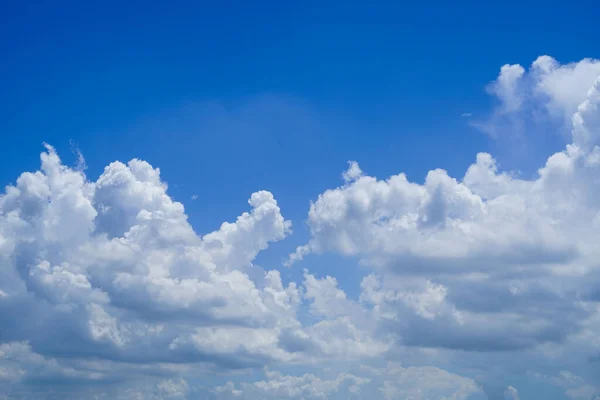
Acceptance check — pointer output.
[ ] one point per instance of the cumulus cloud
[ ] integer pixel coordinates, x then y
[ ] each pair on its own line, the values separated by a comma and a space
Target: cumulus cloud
105, 282
112, 269
117, 255
22, 370
353, 172
390, 382
477, 262
279, 386
507, 88
544, 96
116, 258
574, 386
172, 389
511, 394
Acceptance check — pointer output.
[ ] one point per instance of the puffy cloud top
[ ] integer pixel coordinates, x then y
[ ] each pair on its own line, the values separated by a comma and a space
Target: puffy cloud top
105, 282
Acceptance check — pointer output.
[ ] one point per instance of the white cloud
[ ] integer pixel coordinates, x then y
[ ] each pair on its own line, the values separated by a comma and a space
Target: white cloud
279, 386
353, 172
18, 362
544, 96
507, 87
575, 387
511, 394
472, 263
112, 269
563, 87
107, 281
326, 298
173, 389
164, 389
390, 382
113, 258
425, 383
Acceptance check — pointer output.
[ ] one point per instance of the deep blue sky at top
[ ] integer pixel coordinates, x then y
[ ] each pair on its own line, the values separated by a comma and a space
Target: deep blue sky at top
231, 97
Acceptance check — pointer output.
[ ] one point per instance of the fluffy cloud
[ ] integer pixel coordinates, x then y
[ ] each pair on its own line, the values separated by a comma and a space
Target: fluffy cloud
489, 261
425, 383
279, 386
116, 259
111, 269
546, 95
105, 285
22, 371
511, 394
575, 387
390, 382
20, 362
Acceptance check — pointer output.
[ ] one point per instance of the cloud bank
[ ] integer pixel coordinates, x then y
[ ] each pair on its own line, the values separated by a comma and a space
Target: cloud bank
106, 289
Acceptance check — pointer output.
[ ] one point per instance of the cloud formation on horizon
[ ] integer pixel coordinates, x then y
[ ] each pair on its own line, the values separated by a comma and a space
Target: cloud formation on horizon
106, 288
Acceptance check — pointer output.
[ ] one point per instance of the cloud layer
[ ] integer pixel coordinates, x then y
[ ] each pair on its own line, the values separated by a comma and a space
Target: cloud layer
106, 289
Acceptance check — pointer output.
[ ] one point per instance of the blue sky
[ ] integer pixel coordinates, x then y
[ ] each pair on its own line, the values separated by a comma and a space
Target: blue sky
231, 99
